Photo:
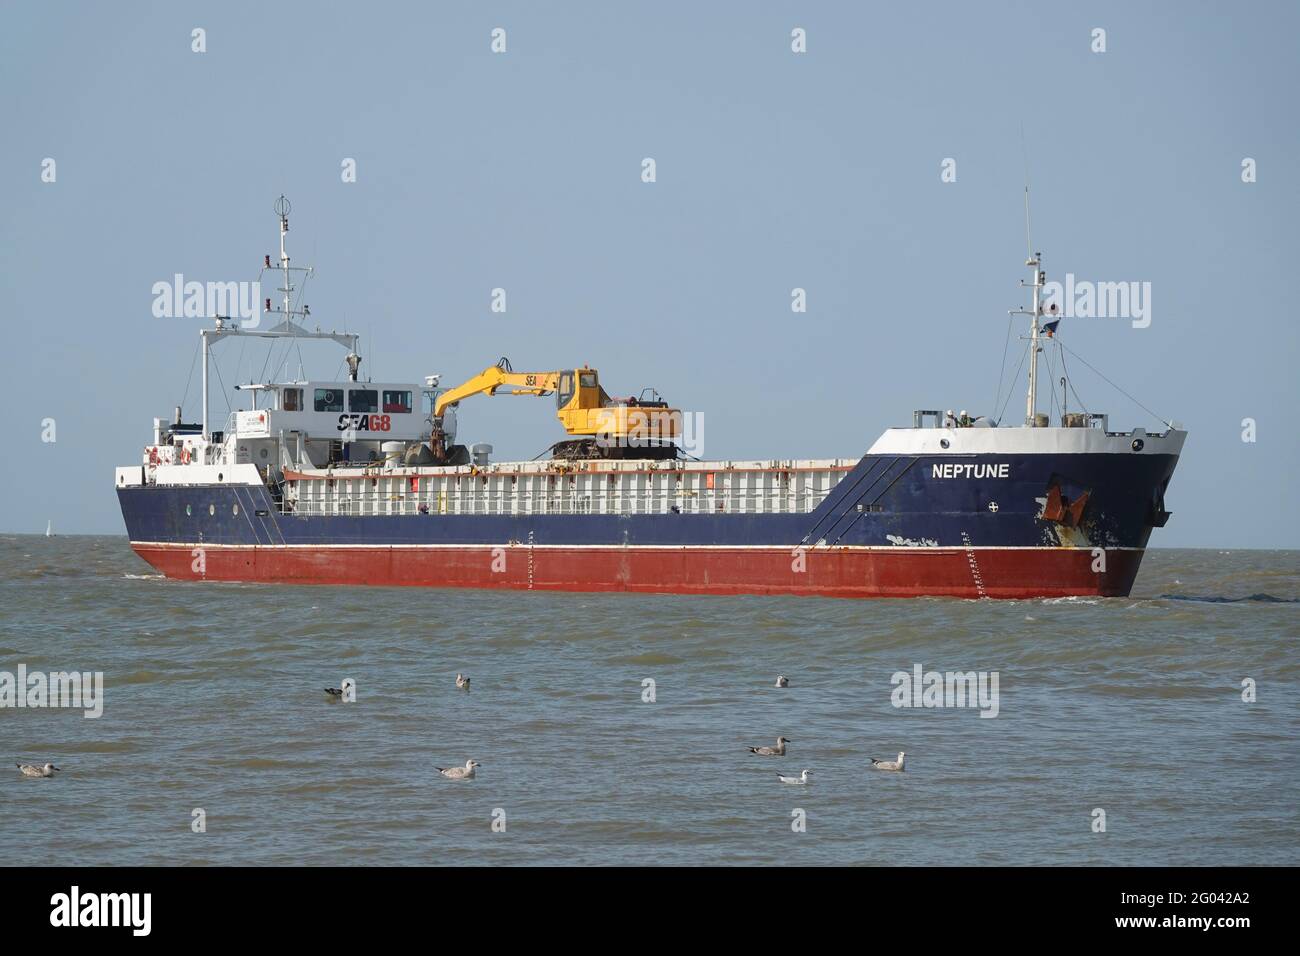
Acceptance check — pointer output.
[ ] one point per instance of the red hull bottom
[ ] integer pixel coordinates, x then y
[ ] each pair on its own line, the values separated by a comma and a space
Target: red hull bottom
846, 572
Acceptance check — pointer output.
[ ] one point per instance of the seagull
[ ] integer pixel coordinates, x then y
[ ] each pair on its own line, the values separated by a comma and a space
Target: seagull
801, 779
783, 681
777, 751
31, 770
462, 681
889, 764
460, 773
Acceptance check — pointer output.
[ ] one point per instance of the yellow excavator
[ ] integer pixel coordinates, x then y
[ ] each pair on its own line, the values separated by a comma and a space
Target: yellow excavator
602, 427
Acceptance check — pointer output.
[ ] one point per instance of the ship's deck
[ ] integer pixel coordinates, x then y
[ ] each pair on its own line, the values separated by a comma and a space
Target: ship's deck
794, 486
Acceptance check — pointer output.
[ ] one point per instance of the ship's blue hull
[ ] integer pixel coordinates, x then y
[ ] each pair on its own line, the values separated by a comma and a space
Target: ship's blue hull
1001, 525
1125, 497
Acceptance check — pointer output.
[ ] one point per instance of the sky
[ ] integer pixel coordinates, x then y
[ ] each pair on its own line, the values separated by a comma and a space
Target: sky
775, 170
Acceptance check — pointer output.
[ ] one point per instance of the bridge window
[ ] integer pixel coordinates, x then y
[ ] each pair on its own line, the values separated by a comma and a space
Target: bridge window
291, 400
363, 400
396, 401
329, 399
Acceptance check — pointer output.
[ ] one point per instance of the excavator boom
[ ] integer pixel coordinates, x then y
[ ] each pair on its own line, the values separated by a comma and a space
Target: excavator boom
601, 427
496, 377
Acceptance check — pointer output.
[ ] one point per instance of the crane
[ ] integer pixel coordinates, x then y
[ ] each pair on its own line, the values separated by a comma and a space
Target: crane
602, 427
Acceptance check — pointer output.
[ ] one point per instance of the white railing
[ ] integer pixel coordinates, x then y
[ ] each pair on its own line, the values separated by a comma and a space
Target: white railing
488, 503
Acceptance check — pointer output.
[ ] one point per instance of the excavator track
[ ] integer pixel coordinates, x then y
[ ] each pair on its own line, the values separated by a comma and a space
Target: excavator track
587, 449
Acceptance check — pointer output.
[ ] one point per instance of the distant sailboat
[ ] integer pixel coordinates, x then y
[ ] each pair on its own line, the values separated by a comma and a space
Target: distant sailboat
49, 529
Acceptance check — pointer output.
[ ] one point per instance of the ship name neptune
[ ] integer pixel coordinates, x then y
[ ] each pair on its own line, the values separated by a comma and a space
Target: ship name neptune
954, 470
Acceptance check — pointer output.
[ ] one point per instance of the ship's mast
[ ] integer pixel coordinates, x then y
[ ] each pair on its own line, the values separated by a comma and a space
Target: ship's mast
282, 208
1031, 400
1033, 261
1034, 312
287, 328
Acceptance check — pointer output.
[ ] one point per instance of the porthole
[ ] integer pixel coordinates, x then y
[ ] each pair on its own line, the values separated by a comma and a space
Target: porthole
188, 511
212, 510
263, 453
1138, 444
943, 443
220, 476
234, 510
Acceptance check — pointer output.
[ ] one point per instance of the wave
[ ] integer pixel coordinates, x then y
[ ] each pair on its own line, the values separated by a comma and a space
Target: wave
1205, 599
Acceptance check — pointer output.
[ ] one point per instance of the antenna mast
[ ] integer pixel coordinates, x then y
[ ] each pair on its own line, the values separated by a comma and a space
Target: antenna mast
1032, 261
288, 328
282, 209
1031, 400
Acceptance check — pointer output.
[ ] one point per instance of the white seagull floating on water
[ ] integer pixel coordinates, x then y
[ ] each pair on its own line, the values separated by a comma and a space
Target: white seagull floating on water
460, 773
462, 682
31, 770
889, 764
801, 779
783, 681
777, 751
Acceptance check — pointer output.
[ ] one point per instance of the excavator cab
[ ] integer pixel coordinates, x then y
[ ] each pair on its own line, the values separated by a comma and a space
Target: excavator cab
582, 384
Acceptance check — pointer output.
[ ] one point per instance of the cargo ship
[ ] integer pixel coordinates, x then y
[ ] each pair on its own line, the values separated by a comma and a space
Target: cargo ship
354, 482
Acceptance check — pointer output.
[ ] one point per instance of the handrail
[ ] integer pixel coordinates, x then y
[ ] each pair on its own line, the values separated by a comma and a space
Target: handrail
363, 503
